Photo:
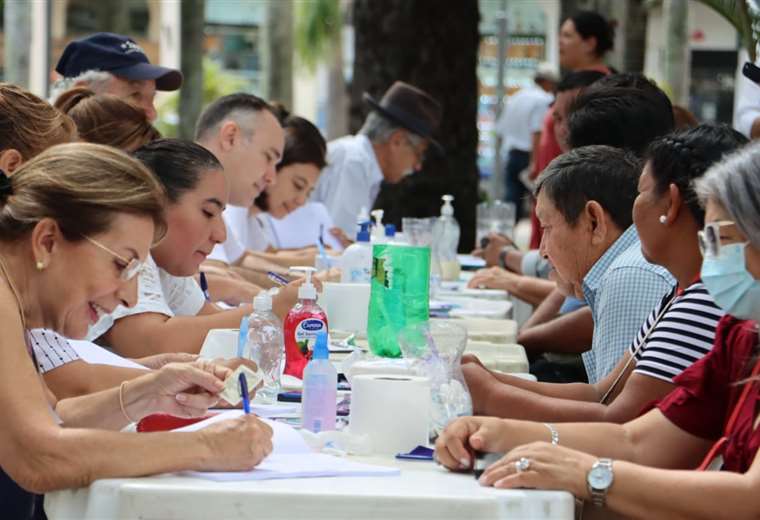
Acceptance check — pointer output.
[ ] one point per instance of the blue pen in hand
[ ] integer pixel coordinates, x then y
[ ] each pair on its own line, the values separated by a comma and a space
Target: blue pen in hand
244, 393
204, 286
276, 278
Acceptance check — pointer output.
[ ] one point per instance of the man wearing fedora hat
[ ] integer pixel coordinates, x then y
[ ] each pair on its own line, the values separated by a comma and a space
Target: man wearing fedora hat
109, 63
390, 145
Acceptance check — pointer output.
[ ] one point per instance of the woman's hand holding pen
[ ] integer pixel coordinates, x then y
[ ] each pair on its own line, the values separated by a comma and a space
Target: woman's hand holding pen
235, 445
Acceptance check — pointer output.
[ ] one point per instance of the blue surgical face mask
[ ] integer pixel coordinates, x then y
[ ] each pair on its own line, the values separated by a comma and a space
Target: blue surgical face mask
732, 287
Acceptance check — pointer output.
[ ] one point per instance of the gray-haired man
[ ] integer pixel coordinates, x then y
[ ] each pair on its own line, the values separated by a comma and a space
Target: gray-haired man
109, 63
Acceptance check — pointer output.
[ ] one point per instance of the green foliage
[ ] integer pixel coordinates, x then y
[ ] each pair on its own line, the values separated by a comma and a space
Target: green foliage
216, 83
744, 18
318, 25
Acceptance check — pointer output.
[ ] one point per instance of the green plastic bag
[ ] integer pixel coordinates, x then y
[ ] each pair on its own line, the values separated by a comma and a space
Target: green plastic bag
399, 294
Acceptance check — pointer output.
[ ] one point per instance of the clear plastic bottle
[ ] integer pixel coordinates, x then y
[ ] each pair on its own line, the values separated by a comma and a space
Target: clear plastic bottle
356, 260
320, 388
446, 241
265, 346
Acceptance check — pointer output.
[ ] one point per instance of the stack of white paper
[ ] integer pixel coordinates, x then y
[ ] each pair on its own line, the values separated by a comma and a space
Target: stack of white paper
290, 458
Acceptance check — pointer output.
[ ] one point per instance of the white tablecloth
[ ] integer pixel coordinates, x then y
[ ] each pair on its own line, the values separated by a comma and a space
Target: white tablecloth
423, 490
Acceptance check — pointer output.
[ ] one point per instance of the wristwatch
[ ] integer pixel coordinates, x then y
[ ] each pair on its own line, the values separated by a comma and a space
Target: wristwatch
599, 480
503, 255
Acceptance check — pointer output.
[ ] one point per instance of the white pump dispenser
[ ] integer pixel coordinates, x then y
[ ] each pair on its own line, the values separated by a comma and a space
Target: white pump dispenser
378, 230
307, 291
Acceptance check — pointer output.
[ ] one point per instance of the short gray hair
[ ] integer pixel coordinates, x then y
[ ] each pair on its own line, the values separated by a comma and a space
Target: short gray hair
378, 129
734, 183
95, 80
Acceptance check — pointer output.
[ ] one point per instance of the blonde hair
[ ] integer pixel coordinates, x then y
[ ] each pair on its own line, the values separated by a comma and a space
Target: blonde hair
29, 124
83, 187
106, 119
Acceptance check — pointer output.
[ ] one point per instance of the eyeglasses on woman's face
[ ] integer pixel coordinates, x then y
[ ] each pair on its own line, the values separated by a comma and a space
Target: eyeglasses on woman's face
129, 268
710, 239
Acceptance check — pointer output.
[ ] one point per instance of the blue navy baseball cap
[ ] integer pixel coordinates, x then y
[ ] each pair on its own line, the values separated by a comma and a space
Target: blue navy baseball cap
118, 55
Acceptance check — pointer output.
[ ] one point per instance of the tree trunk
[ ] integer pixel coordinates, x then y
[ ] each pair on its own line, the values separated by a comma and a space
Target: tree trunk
277, 54
677, 50
18, 33
113, 16
434, 46
337, 94
191, 93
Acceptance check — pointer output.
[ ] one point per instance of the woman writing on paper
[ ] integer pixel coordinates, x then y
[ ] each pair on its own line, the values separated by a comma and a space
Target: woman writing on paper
76, 224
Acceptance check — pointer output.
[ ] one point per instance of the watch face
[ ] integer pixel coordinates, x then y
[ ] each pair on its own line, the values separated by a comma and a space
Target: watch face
600, 477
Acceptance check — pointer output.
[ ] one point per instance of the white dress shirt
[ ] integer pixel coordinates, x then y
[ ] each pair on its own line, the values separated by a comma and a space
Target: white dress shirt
350, 181
522, 116
300, 228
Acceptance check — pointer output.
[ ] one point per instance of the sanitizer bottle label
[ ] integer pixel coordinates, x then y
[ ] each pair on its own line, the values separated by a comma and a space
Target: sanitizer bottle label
306, 335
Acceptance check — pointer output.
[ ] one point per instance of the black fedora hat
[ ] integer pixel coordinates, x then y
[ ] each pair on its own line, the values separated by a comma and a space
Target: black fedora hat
411, 108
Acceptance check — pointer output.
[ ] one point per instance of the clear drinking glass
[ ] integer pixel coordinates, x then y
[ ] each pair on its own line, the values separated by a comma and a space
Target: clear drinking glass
495, 217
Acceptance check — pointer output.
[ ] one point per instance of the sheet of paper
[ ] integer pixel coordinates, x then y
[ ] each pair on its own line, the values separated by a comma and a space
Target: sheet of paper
285, 438
97, 355
279, 466
275, 410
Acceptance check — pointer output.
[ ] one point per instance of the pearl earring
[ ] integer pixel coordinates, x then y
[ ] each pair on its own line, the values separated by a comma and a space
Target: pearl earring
40, 266
663, 219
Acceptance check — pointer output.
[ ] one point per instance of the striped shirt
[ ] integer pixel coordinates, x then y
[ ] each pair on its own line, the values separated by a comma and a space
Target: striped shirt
51, 349
683, 335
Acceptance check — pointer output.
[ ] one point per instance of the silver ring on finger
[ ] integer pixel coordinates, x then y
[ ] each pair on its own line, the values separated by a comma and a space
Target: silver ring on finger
522, 464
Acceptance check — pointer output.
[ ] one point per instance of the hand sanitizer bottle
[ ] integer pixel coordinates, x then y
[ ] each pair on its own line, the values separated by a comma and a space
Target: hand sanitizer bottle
446, 241
320, 388
302, 325
356, 261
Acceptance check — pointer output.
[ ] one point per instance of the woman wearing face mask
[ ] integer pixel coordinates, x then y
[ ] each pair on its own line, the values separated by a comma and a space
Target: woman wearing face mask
709, 421
76, 223
172, 314
678, 331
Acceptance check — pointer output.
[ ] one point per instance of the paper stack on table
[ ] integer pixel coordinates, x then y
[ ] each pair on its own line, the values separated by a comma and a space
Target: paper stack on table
290, 458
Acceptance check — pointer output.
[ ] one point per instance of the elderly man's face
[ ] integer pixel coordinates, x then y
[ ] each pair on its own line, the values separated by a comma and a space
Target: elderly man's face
140, 93
567, 247
405, 156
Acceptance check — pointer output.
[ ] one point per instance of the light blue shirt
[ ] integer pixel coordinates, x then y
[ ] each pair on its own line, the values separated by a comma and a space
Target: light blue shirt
621, 289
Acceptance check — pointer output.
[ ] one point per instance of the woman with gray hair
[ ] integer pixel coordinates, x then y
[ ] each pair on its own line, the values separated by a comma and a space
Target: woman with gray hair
645, 468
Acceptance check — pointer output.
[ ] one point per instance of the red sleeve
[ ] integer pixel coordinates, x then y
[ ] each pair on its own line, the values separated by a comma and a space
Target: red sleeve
705, 390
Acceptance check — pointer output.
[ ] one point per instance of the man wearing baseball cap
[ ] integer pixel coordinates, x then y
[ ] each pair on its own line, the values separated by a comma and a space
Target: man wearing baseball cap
390, 145
109, 63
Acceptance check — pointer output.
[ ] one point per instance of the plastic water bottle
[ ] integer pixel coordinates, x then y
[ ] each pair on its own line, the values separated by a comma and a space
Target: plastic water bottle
320, 388
446, 241
356, 261
265, 346
399, 294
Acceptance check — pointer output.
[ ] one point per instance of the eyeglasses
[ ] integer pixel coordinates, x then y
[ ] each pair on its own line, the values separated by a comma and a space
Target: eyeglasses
709, 238
132, 267
418, 151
